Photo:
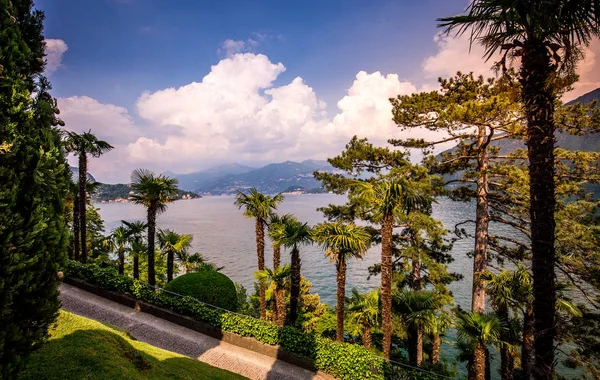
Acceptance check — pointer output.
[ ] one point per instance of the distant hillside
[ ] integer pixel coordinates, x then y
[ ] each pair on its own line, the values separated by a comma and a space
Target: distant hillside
206, 178
273, 178
120, 192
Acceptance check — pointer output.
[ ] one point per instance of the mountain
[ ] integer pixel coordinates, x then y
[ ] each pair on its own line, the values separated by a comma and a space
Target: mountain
273, 178
205, 178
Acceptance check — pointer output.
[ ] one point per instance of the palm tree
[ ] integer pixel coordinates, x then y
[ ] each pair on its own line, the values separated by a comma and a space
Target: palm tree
341, 242
478, 331
118, 242
436, 326
295, 234
135, 231
189, 262
363, 310
82, 145
547, 36
170, 243
278, 278
386, 200
259, 206
416, 309
153, 192
276, 227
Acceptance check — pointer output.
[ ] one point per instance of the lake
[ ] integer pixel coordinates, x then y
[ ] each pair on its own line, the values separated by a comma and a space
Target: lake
225, 237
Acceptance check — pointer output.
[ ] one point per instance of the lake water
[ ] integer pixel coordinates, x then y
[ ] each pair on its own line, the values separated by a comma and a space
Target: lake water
225, 237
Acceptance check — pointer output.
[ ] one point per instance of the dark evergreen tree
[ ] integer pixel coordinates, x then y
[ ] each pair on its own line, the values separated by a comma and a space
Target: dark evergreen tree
34, 178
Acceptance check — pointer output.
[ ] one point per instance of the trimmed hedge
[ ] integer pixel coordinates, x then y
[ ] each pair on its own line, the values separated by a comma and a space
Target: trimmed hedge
343, 360
211, 287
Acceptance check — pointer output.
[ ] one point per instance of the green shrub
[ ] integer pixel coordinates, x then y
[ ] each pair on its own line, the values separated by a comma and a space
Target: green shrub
343, 360
211, 287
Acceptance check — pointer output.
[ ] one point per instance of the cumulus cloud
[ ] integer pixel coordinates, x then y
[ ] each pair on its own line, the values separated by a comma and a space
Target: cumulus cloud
457, 54
108, 122
589, 72
230, 47
54, 53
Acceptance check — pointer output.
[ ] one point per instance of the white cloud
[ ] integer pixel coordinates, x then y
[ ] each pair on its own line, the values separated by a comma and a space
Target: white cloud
108, 122
230, 47
54, 52
457, 54
589, 72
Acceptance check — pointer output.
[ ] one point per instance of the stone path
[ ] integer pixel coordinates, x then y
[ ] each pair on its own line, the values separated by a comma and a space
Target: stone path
169, 336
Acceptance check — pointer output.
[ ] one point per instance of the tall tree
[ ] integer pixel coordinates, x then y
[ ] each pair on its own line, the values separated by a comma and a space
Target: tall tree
276, 278
171, 243
83, 145
363, 311
135, 232
341, 242
153, 192
276, 226
547, 36
386, 200
474, 113
34, 182
295, 234
259, 207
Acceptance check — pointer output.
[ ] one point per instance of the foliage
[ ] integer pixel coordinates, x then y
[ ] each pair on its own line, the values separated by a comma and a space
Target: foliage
34, 182
211, 287
343, 360
80, 348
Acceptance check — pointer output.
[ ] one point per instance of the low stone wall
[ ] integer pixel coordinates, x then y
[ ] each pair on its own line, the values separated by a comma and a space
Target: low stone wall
168, 315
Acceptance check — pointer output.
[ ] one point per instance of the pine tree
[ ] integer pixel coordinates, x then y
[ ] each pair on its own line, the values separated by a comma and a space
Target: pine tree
34, 178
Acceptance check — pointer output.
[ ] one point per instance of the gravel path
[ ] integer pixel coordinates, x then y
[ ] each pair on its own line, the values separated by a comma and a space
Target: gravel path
169, 336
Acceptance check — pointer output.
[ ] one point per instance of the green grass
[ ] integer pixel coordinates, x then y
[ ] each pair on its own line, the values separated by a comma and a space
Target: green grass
81, 348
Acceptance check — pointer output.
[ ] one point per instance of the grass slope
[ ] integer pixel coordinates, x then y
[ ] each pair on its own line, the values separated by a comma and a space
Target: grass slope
81, 348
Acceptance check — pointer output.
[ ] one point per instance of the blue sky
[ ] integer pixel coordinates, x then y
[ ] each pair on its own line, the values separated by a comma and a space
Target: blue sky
108, 53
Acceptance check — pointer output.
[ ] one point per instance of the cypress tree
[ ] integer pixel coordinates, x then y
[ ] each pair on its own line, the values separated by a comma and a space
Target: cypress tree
33, 184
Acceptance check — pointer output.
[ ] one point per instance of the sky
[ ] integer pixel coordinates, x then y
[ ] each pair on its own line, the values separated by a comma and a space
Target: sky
187, 85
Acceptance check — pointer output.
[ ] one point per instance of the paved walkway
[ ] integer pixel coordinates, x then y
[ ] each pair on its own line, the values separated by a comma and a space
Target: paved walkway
169, 336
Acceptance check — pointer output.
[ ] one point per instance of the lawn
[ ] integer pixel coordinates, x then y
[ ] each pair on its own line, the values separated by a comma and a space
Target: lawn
81, 348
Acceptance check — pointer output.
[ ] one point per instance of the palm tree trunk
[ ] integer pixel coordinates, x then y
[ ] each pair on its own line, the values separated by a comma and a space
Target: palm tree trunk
260, 253
367, 338
280, 311
477, 370
295, 285
76, 229
276, 264
527, 346
121, 260
276, 256
341, 297
170, 265
538, 99
506, 360
482, 218
82, 204
415, 345
151, 242
488, 366
435, 351
416, 274
387, 229
136, 267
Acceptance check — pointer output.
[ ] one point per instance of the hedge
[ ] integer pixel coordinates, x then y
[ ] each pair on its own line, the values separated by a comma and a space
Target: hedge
343, 360
211, 287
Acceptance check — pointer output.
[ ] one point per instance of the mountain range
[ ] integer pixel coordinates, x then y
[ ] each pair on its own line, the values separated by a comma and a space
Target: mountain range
270, 179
